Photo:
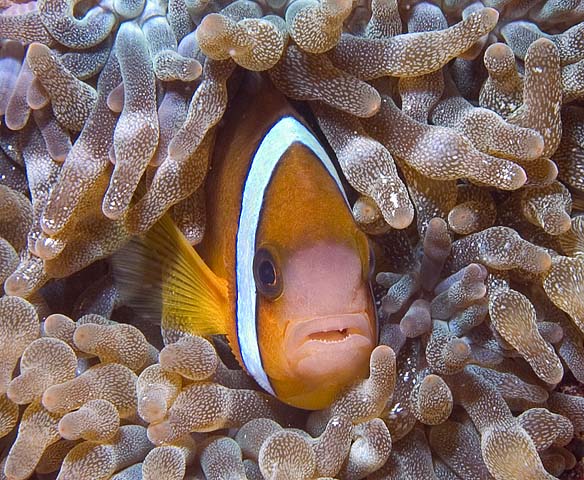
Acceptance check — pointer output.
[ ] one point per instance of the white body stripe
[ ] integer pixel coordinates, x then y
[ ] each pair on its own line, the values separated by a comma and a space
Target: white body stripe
281, 136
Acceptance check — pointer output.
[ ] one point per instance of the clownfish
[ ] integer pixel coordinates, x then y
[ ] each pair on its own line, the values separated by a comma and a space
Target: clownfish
283, 269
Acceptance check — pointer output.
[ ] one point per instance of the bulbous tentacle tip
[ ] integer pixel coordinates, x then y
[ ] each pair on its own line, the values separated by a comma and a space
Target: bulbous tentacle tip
490, 15
542, 261
382, 355
517, 179
543, 44
534, 147
16, 285
111, 210
438, 227
50, 399
159, 433
560, 223
371, 105
48, 248
36, 50
402, 217
212, 24
499, 57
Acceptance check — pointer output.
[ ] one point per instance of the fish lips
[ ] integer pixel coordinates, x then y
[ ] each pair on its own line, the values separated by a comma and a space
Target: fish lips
338, 345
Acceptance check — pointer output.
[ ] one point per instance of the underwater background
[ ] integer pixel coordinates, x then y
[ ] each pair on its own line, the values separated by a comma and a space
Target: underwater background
459, 127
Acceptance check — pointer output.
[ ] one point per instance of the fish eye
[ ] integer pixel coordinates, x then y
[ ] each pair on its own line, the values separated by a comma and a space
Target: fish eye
267, 276
267, 273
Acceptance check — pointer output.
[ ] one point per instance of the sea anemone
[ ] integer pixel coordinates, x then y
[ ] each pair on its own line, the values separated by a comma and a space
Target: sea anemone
459, 127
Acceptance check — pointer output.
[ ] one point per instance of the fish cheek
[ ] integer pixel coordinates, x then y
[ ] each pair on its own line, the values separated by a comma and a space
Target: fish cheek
271, 329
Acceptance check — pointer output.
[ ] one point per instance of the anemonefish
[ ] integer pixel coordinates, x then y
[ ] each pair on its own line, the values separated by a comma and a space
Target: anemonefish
283, 270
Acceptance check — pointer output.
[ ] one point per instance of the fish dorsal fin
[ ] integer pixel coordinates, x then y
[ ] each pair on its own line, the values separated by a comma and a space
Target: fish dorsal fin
162, 276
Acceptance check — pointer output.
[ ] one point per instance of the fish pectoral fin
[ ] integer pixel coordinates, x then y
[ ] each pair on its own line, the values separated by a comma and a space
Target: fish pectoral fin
163, 277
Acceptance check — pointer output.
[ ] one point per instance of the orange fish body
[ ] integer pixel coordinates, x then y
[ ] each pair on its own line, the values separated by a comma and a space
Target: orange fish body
306, 222
283, 269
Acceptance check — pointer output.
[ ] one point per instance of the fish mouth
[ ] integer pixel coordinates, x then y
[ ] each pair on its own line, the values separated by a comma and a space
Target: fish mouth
333, 335
328, 329
325, 345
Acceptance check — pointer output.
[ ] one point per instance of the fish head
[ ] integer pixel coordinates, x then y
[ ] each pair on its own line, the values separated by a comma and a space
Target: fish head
316, 316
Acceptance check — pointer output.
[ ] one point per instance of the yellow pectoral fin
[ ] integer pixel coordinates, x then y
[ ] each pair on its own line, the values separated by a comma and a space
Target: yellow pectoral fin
187, 295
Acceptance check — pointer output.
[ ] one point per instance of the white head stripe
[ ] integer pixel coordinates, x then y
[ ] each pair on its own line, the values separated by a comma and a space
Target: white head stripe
281, 136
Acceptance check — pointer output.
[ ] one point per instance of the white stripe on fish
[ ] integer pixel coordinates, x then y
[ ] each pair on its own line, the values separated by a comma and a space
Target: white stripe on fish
277, 141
